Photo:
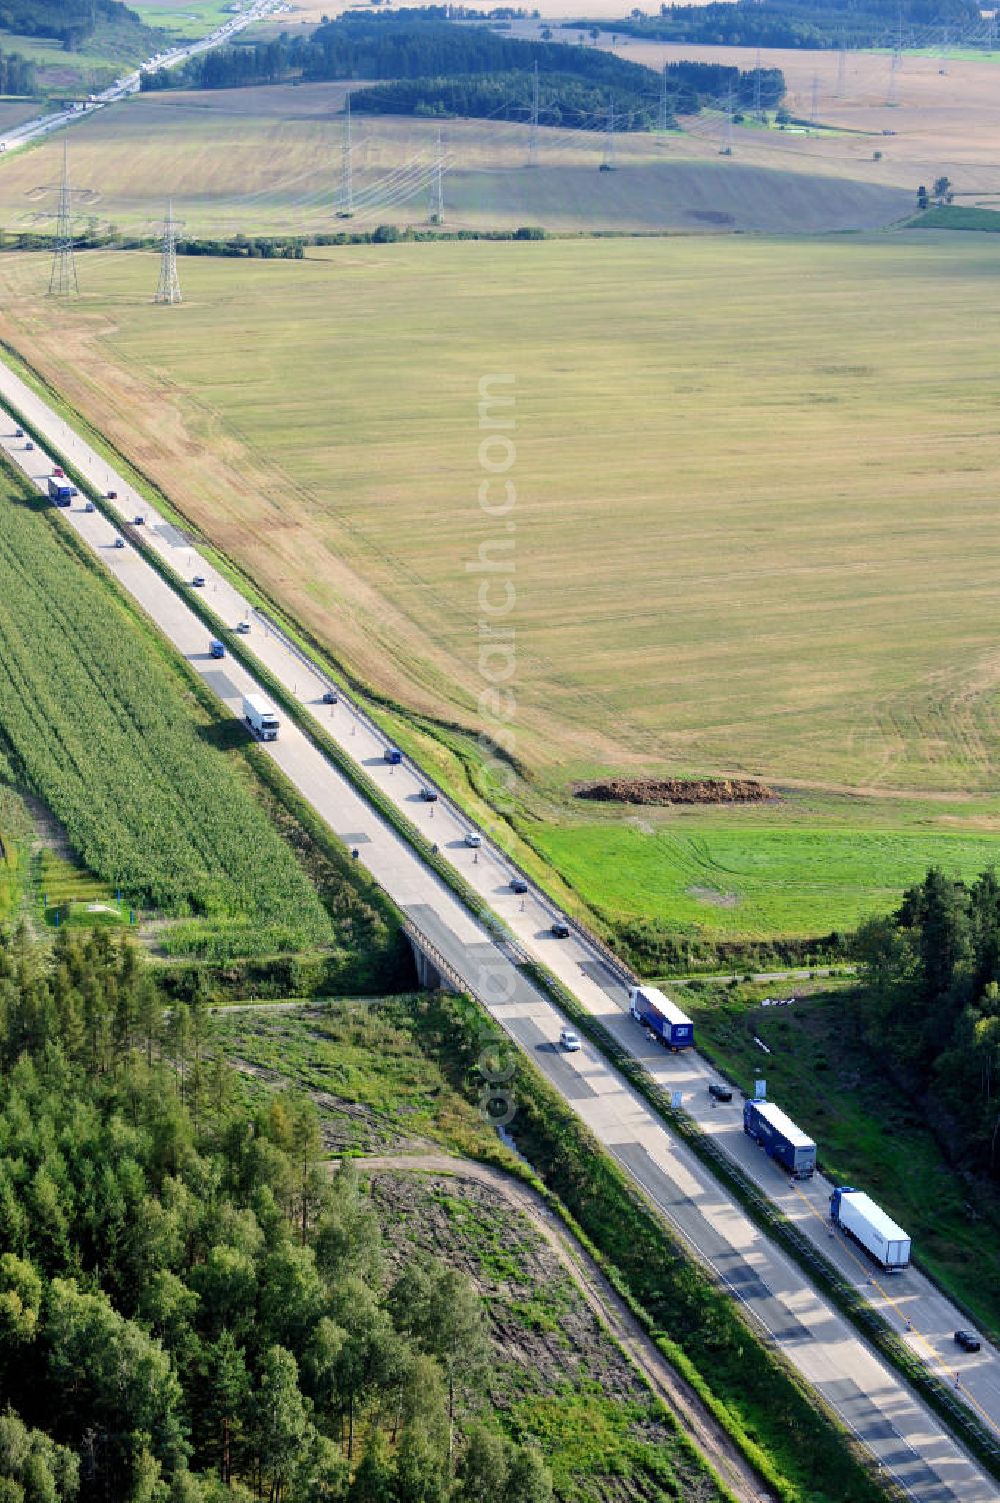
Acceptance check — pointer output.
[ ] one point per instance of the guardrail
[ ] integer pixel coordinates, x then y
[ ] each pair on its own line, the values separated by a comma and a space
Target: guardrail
591, 941
979, 1441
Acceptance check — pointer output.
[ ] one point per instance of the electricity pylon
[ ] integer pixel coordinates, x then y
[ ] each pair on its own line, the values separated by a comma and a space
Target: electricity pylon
533, 133
169, 288
437, 186
726, 149
62, 278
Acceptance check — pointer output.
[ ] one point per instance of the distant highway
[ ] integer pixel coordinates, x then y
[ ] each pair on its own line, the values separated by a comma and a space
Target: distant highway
872, 1401
43, 125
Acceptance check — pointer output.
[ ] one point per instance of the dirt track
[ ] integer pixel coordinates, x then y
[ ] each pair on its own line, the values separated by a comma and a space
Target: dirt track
608, 1307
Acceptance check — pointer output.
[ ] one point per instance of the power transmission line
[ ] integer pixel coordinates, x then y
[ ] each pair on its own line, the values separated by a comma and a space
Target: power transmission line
437, 186
169, 288
897, 58
533, 134
893, 95
62, 278
346, 174
608, 164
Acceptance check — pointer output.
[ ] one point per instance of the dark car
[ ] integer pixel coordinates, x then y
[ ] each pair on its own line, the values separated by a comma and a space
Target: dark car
429, 795
18, 432
518, 884
112, 495
967, 1340
198, 582
329, 696
720, 1092
559, 929
138, 521
393, 755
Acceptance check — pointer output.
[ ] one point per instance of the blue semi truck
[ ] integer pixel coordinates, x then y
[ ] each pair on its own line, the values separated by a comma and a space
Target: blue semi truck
663, 1018
780, 1138
61, 492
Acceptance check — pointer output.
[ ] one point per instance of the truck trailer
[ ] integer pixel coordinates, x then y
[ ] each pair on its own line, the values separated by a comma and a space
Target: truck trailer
655, 1011
780, 1138
261, 717
61, 492
869, 1225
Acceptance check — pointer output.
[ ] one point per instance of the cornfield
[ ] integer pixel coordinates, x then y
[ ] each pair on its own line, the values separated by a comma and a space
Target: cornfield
94, 721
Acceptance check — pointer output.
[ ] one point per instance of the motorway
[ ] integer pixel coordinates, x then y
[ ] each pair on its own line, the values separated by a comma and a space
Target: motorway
43, 125
870, 1398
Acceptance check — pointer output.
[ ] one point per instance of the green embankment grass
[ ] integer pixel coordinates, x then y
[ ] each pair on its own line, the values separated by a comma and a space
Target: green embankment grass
15, 835
956, 217
67, 893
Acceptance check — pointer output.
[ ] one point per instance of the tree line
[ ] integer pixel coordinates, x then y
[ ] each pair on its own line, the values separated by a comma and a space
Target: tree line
562, 100
397, 46
70, 22
17, 74
797, 23
191, 1307
434, 68
931, 1007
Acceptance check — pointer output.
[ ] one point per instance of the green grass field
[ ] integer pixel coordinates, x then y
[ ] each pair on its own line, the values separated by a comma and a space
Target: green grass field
65, 893
808, 867
109, 48
183, 18
755, 525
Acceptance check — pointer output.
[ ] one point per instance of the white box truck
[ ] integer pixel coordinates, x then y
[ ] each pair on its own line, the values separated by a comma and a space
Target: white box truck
261, 718
869, 1225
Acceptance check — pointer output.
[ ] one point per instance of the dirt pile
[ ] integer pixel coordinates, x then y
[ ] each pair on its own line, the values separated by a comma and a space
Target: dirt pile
676, 791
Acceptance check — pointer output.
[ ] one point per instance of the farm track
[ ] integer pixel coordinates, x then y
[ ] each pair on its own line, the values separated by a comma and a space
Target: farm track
605, 1303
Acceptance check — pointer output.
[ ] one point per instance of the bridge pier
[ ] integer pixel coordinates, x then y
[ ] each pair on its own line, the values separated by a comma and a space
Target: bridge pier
430, 978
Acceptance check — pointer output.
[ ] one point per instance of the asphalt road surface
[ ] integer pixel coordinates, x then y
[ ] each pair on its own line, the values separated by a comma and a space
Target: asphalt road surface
130, 83
907, 1440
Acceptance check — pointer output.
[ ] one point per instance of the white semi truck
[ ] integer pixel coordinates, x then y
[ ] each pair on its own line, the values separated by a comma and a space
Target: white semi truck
868, 1224
261, 717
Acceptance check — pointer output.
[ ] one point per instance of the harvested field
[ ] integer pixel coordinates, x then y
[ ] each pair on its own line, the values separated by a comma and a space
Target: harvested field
267, 160
944, 119
755, 527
